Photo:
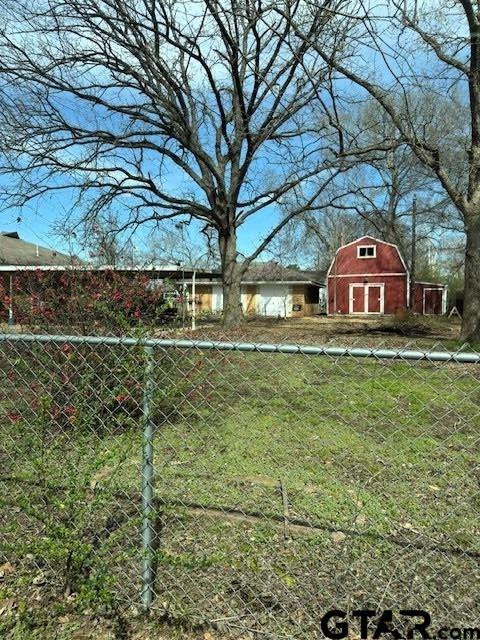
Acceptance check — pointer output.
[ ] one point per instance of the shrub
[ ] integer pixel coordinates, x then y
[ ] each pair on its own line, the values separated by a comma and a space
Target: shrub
406, 323
108, 301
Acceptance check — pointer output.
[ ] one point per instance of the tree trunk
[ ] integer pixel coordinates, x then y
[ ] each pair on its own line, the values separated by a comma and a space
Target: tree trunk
471, 295
232, 276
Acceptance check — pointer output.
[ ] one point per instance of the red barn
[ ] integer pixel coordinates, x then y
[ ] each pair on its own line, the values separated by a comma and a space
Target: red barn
369, 276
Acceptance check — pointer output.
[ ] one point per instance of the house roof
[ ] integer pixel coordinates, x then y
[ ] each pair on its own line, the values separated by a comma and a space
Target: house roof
274, 272
17, 252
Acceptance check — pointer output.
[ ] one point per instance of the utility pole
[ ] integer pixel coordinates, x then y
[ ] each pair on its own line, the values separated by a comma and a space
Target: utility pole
413, 258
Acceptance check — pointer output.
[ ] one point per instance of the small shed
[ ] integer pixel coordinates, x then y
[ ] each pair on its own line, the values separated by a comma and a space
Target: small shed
369, 277
430, 298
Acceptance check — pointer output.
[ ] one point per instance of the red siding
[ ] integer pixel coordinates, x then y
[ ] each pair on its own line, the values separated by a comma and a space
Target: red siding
388, 259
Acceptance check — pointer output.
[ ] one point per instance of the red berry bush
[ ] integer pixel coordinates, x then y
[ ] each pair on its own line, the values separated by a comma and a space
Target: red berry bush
86, 301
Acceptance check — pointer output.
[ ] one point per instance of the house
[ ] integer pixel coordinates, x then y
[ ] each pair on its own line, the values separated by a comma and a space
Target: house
369, 276
19, 257
268, 289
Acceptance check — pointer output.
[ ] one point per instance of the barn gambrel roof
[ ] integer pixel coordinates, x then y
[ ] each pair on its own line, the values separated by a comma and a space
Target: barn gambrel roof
371, 238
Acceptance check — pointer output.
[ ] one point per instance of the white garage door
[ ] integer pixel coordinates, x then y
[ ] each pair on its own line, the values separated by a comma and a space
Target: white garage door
275, 300
217, 298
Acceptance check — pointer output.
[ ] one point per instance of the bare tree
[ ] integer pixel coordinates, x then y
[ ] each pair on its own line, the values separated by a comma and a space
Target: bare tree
393, 52
165, 109
178, 242
102, 243
376, 196
313, 238
387, 181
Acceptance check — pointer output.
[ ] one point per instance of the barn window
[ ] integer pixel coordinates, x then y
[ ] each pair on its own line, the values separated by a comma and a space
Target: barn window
367, 251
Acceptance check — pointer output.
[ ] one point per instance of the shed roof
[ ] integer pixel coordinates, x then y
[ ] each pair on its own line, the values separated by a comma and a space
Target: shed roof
17, 252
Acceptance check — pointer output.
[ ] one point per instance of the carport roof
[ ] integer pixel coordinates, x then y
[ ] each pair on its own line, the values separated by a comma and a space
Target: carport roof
270, 272
274, 272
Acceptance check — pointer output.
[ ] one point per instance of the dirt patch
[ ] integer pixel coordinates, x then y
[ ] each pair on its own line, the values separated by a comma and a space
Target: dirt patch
320, 330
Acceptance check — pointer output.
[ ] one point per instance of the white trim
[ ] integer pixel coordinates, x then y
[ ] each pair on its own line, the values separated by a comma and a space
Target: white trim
40, 267
351, 299
332, 262
87, 267
367, 275
251, 282
334, 259
437, 285
147, 267
309, 282
367, 246
369, 238
366, 286
409, 294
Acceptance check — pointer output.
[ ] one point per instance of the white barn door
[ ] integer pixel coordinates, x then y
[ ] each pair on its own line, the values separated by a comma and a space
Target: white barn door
366, 298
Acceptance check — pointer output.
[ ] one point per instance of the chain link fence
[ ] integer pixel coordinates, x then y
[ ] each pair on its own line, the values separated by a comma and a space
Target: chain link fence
241, 488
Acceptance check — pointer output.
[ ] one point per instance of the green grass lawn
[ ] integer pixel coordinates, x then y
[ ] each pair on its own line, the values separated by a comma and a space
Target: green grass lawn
376, 461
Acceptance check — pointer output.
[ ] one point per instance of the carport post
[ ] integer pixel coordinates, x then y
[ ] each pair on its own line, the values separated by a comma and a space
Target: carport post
147, 483
11, 319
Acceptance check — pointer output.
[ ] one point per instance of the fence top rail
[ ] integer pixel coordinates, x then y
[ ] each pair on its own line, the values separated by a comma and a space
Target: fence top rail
461, 357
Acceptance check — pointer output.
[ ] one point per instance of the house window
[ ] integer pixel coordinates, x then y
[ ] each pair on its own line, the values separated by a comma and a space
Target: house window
367, 251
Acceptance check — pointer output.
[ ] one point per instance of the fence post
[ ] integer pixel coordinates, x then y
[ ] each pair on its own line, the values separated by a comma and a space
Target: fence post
147, 483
